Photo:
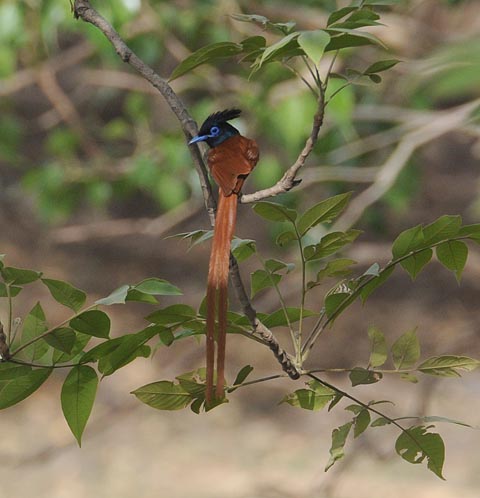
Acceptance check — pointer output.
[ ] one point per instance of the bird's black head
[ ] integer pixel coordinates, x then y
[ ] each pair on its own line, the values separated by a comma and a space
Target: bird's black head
216, 128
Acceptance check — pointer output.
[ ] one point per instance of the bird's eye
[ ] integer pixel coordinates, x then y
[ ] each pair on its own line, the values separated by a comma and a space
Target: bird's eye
214, 131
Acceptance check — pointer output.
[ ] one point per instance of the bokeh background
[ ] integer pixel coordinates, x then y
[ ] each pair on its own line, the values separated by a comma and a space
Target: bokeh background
94, 174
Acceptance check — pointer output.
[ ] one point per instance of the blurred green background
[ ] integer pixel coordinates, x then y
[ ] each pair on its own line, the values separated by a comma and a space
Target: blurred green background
95, 173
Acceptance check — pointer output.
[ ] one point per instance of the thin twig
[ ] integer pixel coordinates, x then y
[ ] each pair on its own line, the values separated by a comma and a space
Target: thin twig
288, 181
356, 400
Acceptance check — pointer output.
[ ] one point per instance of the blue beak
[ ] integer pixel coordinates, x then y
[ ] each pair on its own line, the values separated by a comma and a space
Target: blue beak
198, 138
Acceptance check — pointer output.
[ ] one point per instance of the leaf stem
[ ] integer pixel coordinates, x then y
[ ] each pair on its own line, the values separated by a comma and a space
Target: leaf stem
356, 400
298, 343
10, 314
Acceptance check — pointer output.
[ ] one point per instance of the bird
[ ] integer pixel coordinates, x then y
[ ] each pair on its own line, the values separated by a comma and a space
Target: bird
231, 159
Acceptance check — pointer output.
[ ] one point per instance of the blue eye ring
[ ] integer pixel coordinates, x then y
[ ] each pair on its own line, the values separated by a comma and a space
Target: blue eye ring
214, 131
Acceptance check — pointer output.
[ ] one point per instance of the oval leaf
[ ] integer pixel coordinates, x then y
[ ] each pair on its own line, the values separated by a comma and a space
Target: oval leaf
62, 339
157, 287
163, 395
323, 212
65, 294
93, 322
406, 350
313, 44
77, 397
453, 255
416, 444
206, 54
273, 211
21, 387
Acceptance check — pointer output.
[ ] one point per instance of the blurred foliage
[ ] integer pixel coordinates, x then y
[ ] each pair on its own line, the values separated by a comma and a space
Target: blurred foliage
125, 146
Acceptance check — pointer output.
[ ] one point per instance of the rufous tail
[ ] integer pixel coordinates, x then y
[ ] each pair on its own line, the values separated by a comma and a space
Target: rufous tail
217, 287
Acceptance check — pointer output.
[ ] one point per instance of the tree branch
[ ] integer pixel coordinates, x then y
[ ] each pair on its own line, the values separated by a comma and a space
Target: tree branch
83, 10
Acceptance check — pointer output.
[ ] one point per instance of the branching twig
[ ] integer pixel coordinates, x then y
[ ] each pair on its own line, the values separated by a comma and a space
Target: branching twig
288, 181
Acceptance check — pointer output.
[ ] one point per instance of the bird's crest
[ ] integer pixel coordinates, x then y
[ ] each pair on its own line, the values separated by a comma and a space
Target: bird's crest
219, 117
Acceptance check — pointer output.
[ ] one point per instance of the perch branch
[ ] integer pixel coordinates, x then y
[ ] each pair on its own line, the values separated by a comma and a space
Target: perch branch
83, 10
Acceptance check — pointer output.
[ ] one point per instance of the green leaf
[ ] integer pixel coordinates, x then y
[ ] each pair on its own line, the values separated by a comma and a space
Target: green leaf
118, 296
338, 14
330, 244
34, 326
379, 66
157, 287
285, 237
9, 371
254, 18
242, 249
406, 350
274, 265
444, 227
206, 54
19, 276
275, 49
21, 387
339, 438
416, 444
323, 212
379, 353
65, 293
313, 44
336, 268
380, 422
163, 395
130, 347
350, 38
470, 231
407, 241
174, 314
447, 365
416, 262
81, 341
77, 397
278, 319
273, 211
310, 399
337, 301
140, 297
62, 339
261, 279
367, 37
360, 376
101, 350
453, 255
14, 290
361, 422
409, 377
93, 322
375, 78
242, 375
